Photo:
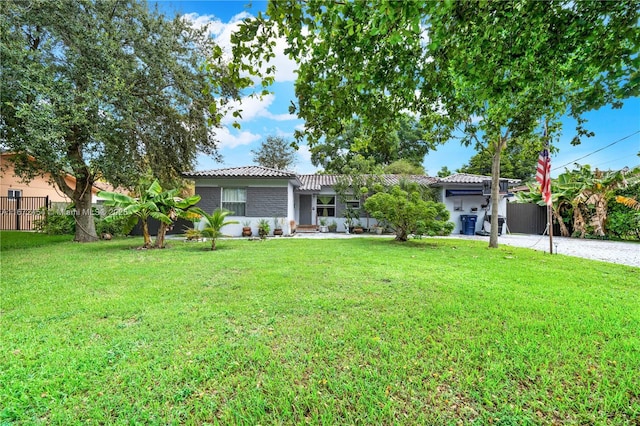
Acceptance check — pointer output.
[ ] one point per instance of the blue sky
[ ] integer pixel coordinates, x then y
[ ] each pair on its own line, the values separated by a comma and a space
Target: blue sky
269, 116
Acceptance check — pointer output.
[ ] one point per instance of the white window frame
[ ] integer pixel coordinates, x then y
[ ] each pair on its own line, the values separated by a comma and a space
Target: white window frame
14, 193
321, 207
227, 204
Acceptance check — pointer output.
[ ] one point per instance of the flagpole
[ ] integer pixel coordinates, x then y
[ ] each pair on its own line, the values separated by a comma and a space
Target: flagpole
543, 176
550, 224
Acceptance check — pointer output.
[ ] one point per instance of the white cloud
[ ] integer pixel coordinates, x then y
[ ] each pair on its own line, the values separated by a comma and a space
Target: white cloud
229, 139
254, 107
221, 33
304, 153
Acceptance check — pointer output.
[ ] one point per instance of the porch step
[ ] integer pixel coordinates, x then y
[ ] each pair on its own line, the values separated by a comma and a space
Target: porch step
306, 228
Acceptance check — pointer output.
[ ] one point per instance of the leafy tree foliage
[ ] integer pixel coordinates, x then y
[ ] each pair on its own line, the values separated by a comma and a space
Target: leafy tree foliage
106, 90
517, 161
403, 167
403, 208
444, 172
359, 176
406, 141
623, 219
276, 153
532, 62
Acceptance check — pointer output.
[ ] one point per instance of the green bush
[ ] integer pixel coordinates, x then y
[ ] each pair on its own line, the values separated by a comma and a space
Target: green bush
56, 223
119, 226
406, 212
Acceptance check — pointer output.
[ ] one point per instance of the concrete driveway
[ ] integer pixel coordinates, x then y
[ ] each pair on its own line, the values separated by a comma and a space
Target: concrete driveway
625, 253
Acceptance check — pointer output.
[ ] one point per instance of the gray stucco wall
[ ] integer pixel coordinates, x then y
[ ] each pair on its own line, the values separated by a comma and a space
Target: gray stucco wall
266, 202
210, 198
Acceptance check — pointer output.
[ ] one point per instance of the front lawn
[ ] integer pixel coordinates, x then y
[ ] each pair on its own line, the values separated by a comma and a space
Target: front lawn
293, 331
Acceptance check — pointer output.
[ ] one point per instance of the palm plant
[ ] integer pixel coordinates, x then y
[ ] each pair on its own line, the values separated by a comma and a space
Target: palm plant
140, 208
213, 223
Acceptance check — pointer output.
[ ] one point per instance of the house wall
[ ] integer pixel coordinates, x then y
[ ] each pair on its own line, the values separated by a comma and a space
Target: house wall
39, 186
269, 202
266, 199
209, 197
469, 203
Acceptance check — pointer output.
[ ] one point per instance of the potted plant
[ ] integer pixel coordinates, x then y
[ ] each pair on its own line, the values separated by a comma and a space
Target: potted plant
333, 226
277, 226
357, 228
263, 228
246, 228
323, 224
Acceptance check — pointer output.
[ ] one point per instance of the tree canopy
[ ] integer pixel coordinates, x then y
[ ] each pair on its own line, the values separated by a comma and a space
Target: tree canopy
517, 161
405, 139
107, 90
275, 152
496, 71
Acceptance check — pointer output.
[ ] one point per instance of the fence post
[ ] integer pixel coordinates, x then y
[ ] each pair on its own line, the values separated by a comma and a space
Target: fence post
18, 202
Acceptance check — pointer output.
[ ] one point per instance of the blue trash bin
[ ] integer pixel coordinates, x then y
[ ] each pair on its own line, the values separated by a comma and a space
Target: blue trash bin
468, 224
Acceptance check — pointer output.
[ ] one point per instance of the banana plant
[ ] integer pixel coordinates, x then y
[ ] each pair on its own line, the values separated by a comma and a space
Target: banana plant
173, 207
137, 209
213, 223
163, 206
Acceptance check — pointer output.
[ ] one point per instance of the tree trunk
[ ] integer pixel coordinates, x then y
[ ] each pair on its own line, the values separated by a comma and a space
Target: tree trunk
579, 225
213, 243
600, 214
564, 232
162, 231
85, 224
145, 233
495, 192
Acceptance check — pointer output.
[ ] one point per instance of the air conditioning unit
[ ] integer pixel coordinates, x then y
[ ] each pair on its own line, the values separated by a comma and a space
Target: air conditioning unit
504, 187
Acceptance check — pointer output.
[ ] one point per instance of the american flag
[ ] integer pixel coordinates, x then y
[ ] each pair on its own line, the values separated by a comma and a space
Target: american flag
543, 175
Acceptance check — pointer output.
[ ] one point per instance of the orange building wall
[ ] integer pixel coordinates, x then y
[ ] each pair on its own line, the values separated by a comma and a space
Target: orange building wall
38, 187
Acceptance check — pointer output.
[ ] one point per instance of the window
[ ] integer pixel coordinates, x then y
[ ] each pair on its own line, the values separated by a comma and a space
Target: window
234, 200
326, 206
353, 204
15, 193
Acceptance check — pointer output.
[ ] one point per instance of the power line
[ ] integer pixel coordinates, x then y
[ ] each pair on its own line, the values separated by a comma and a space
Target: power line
597, 150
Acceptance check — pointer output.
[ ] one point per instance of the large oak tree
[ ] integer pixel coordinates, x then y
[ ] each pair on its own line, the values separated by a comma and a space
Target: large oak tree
107, 90
496, 72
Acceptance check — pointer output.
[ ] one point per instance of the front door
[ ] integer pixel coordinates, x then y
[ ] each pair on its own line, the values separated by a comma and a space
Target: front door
306, 206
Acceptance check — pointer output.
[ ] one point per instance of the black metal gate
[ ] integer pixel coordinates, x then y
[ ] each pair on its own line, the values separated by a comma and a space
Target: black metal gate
19, 213
527, 218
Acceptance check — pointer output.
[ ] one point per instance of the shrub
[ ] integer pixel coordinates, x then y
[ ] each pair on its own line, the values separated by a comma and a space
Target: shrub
407, 212
56, 223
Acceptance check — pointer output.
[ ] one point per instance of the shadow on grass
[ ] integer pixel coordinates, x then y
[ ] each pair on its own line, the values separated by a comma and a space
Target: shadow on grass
16, 240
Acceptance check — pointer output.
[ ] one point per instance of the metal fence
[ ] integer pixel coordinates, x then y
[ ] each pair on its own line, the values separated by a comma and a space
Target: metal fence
528, 219
20, 213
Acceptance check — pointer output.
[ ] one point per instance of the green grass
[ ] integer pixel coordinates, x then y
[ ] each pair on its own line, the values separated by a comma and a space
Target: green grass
293, 331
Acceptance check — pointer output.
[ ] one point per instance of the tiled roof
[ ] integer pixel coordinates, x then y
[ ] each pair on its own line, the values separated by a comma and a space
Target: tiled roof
248, 171
469, 178
316, 182
419, 179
